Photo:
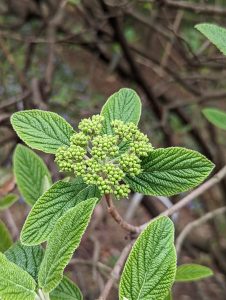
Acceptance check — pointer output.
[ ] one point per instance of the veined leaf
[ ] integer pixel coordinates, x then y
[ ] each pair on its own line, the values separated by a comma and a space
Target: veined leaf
5, 237
62, 242
192, 272
15, 283
170, 171
31, 174
151, 266
28, 258
42, 130
124, 105
215, 116
214, 33
7, 201
51, 206
66, 290
169, 296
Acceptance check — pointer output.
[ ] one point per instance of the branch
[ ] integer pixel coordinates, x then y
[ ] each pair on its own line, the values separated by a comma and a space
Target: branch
115, 273
189, 227
190, 197
117, 217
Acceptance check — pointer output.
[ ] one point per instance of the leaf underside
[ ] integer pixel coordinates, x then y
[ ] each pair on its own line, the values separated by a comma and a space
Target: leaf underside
31, 174
66, 290
8, 201
215, 34
192, 272
123, 105
62, 242
151, 266
42, 130
170, 171
215, 116
15, 283
5, 237
51, 206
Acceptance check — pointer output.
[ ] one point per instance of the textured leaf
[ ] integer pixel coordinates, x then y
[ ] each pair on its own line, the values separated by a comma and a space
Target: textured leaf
8, 201
151, 266
51, 206
15, 283
214, 33
124, 105
192, 272
216, 117
66, 290
31, 174
28, 258
169, 297
62, 242
170, 171
5, 237
42, 130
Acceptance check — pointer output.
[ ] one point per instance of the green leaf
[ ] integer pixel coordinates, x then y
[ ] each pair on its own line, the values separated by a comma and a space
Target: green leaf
170, 171
192, 272
62, 242
31, 174
124, 105
5, 237
66, 290
150, 269
15, 283
51, 206
28, 258
169, 296
8, 201
214, 33
42, 130
215, 116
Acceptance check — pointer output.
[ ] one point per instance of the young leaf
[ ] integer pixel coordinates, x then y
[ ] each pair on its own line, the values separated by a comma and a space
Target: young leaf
192, 272
62, 242
170, 171
42, 130
66, 290
215, 116
151, 266
5, 237
31, 174
214, 33
51, 206
15, 283
28, 258
124, 105
8, 201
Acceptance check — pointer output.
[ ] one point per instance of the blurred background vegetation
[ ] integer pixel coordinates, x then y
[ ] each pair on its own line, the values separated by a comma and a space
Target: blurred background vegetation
69, 56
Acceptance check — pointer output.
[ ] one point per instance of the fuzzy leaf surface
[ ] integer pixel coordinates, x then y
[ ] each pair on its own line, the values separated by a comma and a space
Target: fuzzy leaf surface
215, 34
215, 116
51, 206
28, 258
42, 130
5, 237
170, 171
150, 269
192, 272
8, 201
15, 283
62, 242
123, 105
31, 174
66, 290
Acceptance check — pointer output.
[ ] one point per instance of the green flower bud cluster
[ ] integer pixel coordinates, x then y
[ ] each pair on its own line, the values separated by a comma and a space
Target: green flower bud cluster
96, 156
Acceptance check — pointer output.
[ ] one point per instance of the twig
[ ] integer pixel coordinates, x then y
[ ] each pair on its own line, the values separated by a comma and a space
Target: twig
190, 197
189, 227
115, 273
117, 217
11, 223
